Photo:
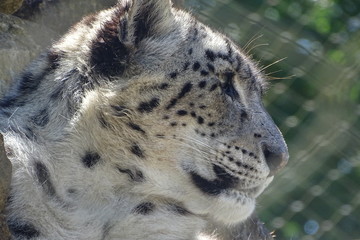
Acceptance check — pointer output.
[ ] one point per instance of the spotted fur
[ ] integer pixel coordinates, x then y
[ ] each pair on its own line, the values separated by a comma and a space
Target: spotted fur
140, 123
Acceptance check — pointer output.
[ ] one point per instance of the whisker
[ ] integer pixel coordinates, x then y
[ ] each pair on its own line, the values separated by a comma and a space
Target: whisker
277, 61
258, 45
252, 39
270, 78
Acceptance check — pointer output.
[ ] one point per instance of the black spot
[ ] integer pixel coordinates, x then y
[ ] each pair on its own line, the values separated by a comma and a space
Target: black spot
164, 86
178, 209
23, 230
71, 191
42, 118
244, 116
196, 66
173, 75
172, 103
213, 87
191, 104
90, 159
144, 208
173, 124
160, 135
166, 117
211, 67
210, 124
224, 57
186, 66
148, 106
135, 149
43, 176
243, 151
190, 51
210, 55
193, 114
202, 107
257, 135
212, 135
136, 127
102, 121
204, 73
200, 120
119, 110
136, 176
214, 187
202, 84
186, 88
181, 112
108, 54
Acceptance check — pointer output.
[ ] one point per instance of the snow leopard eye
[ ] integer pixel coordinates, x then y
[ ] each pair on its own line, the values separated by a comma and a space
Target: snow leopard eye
228, 86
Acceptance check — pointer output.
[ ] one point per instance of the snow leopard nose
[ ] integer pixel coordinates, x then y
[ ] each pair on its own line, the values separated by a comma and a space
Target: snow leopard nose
276, 157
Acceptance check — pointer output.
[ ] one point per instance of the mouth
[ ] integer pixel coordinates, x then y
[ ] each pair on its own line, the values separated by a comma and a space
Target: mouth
228, 185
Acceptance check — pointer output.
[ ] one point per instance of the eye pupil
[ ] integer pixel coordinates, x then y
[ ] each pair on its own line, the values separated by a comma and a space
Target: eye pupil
229, 90
228, 86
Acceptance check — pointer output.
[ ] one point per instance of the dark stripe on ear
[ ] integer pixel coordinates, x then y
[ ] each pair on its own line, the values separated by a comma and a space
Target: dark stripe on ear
144, 21
109, 55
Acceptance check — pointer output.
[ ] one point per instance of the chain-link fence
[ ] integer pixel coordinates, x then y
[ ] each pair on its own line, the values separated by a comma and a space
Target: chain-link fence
315, 104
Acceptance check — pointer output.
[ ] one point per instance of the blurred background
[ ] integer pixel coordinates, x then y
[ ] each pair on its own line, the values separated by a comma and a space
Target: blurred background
310, 50
315, 102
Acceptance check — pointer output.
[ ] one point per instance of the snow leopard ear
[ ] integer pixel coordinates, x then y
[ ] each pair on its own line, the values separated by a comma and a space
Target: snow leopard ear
144, 19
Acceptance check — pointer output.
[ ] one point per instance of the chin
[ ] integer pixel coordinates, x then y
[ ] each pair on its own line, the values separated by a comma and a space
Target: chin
232, 207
